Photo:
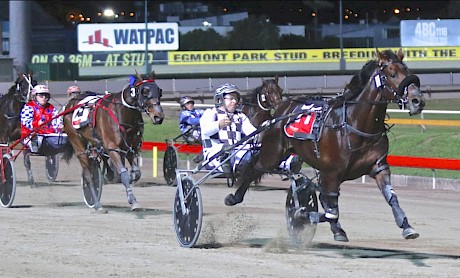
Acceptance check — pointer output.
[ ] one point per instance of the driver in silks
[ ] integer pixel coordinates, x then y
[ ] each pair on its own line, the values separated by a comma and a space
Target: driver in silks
223, 125
39, 116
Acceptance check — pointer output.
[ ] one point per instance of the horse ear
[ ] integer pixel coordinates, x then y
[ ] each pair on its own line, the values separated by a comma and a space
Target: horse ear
400, 55
153, 75
264, 81
276, 78
138, 75
377, 53
381, 59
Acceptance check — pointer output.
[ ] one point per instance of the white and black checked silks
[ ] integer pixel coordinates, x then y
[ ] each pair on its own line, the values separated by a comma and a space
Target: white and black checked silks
214, 139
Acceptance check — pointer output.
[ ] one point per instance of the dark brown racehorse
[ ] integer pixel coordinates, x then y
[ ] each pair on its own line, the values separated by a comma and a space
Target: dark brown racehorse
11, 105
117, 127
260, 105
353, 141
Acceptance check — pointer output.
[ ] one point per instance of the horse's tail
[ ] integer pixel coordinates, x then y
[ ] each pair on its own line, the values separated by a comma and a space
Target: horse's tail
68, 152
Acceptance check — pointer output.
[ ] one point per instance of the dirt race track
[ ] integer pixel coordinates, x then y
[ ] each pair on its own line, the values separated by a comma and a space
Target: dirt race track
49, 232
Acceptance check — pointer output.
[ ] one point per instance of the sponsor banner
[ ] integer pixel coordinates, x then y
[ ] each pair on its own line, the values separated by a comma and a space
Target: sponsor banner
85, 60
242, 57
128, 37
430, 32
302, 55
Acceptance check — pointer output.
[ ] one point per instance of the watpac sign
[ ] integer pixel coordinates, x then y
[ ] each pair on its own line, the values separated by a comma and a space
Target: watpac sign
111, 37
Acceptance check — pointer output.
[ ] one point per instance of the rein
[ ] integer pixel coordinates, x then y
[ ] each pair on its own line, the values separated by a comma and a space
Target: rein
29, 89
114, 117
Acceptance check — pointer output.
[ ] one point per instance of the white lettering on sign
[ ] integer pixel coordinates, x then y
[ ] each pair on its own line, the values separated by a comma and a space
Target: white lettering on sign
429, 29
128, 37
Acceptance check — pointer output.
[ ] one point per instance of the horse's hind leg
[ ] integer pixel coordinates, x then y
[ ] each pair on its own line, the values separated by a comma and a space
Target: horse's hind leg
384, 183
125, 178
135, 170
27, 164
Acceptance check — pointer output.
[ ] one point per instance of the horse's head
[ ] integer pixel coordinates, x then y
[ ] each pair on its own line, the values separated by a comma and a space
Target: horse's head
23, 86
146, 94
401, 85
270, 94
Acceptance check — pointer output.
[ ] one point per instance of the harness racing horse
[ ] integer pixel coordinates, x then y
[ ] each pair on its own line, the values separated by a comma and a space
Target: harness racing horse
353, 140
117, 128
260, 104
11, 105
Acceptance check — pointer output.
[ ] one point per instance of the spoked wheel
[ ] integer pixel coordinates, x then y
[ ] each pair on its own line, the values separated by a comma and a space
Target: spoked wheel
98, 180
170, 166
300, 230
52, 167
8, 185
187, 223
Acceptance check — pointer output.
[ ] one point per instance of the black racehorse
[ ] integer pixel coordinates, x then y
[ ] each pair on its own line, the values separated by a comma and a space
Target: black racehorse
117, 128
11, 105
10, 109
353, 139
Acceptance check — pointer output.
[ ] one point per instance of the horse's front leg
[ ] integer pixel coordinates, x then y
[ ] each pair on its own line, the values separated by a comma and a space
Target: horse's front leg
329, 198
382, 177
125, 177
30, 176
248, 176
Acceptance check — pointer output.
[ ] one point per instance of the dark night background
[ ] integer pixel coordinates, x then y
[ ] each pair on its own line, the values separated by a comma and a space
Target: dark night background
279, 12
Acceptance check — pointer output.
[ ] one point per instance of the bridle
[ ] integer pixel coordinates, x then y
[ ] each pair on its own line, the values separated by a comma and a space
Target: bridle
263, 97
136, 93
29, 80
399, 94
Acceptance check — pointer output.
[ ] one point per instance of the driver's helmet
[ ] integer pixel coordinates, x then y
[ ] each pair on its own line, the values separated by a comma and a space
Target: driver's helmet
40, 89
184, 100
222, 90
73, 90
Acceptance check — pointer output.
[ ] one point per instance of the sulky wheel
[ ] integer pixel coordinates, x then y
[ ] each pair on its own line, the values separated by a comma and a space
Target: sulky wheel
300, 230
98, 180
52, 167
187, 223
170, 165
8, 185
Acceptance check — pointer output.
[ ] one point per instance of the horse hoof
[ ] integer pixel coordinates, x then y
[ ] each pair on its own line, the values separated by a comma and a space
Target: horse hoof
230, 200
136, 207
33, 185
410, 233
100, 210
341, 237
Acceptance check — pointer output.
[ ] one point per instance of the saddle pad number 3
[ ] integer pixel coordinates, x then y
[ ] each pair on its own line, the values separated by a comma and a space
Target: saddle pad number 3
80, 117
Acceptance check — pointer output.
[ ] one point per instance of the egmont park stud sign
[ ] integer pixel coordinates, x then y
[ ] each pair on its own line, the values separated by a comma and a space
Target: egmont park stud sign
113, 37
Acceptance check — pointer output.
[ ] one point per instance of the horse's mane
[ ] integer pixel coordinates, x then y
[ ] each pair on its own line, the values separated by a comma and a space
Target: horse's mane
359, 80
12, 89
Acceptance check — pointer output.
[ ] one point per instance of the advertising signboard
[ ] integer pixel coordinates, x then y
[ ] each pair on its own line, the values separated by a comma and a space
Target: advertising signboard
424, 33
112, 37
